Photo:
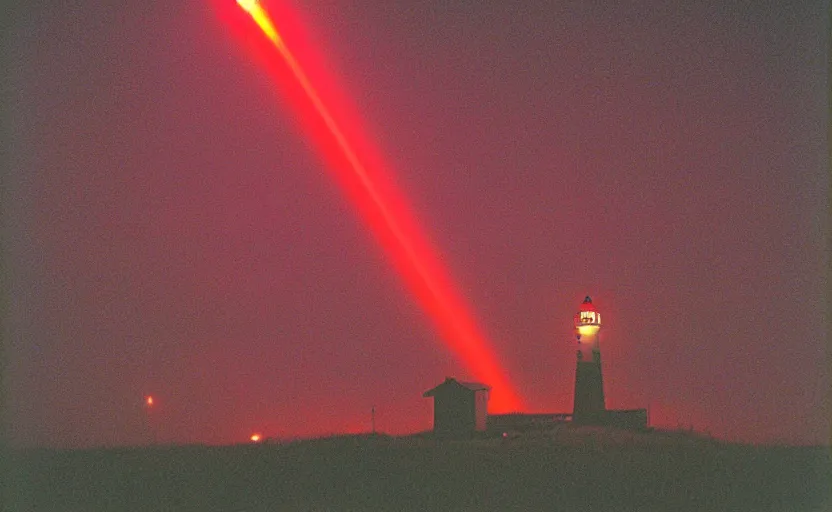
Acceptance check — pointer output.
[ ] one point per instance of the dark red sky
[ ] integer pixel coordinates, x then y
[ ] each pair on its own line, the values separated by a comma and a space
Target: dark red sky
169, 229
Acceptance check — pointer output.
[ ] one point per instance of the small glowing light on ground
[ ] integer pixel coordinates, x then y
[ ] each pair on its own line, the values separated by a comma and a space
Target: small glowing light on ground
148, 401
256, 438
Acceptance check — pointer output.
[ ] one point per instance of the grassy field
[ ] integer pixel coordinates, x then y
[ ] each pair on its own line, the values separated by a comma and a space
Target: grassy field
571, 470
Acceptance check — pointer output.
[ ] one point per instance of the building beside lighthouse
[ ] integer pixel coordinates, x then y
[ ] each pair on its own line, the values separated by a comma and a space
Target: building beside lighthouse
459, 408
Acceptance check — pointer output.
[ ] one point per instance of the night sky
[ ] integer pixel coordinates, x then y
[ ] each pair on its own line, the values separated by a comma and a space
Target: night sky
169, 228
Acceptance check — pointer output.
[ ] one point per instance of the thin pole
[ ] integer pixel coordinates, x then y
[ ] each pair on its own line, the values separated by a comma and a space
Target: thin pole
373, 418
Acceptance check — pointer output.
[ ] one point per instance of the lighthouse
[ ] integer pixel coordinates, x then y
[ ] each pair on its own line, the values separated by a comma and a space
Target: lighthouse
588, 407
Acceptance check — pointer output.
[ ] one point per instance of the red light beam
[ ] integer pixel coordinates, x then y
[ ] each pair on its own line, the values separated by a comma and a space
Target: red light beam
398, 233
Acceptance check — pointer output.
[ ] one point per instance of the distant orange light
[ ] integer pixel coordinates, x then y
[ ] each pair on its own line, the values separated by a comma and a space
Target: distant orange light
148, 401
255, 438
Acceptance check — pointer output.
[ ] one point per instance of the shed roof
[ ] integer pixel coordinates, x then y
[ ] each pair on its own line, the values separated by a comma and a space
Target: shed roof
450, 381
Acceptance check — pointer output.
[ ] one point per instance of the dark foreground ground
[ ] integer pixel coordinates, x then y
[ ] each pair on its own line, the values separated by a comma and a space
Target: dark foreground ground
570, 471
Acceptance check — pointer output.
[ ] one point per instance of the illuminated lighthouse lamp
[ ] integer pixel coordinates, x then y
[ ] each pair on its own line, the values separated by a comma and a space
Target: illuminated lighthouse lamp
587, 320
587, 327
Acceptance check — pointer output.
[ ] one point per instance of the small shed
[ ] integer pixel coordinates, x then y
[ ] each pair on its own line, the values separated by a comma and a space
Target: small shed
459, 408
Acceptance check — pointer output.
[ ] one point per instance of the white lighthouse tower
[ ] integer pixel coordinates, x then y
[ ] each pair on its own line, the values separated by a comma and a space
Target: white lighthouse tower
588, 406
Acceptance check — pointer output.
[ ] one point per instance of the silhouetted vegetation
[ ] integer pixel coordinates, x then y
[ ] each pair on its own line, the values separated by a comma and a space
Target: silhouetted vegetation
575, 470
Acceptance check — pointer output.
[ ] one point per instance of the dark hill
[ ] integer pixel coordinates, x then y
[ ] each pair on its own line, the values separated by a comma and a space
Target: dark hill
576, 470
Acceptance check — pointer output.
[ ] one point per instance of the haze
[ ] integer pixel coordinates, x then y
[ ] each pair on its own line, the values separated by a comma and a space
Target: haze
169, 229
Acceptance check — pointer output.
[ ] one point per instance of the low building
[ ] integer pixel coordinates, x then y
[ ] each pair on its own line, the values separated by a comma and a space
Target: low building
524, 422
459, 408
628, 419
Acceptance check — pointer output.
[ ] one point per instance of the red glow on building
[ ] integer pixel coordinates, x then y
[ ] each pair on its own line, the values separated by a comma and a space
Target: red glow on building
330, 123
587, 305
